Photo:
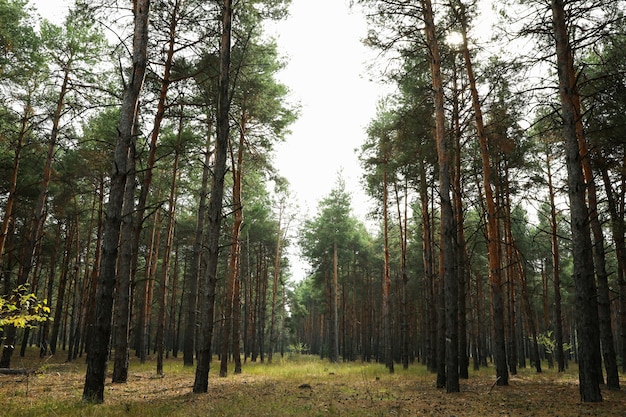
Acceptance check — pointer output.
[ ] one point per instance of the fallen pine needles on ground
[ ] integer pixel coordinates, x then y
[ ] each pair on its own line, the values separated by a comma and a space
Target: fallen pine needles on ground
298, 386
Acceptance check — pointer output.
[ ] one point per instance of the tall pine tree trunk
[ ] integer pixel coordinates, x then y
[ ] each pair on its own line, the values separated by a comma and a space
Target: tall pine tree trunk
493, 235
387, 319
406, 328
428, 262
556, 273
101, 334
461, 251
276, 276
448, 228
587, 322
193, 276
201, 382
599, 259
169, 246
123, 300
616, 212
509, 244
235, 251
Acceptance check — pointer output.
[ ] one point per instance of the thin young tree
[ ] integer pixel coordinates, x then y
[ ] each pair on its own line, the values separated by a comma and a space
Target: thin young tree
556, 268
169, 245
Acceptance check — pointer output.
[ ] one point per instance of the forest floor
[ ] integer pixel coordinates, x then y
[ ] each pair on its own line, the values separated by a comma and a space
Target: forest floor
296, 386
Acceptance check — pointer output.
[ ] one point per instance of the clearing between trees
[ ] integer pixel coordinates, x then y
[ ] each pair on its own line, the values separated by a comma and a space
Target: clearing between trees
297, 385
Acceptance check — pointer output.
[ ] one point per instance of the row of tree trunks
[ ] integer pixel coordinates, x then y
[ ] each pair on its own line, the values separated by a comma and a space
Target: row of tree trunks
81, 299
616, 213
39, 213
599, 260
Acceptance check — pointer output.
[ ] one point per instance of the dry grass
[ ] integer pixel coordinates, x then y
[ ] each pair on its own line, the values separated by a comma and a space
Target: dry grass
302, 386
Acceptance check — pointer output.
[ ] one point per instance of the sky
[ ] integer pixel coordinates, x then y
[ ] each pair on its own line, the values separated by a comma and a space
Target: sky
326, 75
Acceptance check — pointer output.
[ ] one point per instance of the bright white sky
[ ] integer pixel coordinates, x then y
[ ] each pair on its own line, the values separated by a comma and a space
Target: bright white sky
326, 74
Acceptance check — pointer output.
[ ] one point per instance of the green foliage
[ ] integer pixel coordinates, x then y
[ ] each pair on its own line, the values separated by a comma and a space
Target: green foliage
18, 42
22, 309
546, 339
298, 348
333, 225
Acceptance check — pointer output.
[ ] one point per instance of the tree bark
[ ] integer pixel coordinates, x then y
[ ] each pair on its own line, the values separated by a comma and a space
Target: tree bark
277, 256
201, 382
587, 322
189, 343
123, 296
448, 228
617, 232
556, 273
387, 320
235, 252
166, 261
493, 235
99, 344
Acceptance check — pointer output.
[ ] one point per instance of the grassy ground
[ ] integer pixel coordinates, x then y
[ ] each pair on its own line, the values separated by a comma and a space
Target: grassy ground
299, 386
